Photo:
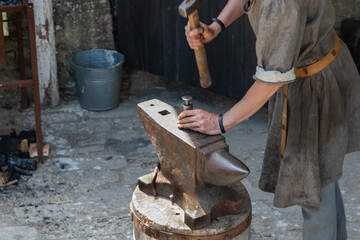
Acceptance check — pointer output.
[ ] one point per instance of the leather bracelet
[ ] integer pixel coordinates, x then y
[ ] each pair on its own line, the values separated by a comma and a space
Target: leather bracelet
221, 123
222, 25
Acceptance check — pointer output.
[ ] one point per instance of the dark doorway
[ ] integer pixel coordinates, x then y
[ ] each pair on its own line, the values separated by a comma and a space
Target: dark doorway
150, 33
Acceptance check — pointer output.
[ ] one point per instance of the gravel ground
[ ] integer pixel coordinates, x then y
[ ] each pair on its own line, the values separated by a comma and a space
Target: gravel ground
84, 188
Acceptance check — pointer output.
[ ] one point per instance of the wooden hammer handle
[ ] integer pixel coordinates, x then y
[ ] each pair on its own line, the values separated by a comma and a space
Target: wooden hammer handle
200, 55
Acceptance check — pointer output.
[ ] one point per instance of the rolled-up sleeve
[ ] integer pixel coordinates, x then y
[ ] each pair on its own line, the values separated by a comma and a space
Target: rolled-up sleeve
278, 40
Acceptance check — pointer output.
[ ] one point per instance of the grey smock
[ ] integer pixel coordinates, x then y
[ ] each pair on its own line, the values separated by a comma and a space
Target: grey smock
323, 109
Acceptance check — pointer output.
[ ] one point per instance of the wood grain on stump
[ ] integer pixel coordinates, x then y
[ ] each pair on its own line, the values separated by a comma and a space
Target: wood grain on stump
157, 218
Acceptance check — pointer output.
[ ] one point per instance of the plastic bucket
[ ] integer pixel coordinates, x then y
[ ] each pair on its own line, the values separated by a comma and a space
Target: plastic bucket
98, 78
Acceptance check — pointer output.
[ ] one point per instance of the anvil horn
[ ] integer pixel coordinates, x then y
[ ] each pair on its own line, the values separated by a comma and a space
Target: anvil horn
223, 169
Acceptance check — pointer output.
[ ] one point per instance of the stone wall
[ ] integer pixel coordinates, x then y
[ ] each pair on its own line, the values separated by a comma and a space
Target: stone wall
80, 25
346, 9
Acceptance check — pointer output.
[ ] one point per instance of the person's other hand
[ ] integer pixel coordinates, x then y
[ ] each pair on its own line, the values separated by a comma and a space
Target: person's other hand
199, 36
200, 121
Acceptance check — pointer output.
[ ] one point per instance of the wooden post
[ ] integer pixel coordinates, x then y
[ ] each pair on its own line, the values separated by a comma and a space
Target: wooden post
46, 52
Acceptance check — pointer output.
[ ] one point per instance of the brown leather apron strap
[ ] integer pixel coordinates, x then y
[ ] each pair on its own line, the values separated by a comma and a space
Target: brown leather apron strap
284, 124
304, 72
320, 65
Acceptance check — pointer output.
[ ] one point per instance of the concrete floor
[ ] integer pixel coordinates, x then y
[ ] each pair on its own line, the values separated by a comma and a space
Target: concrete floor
96, 158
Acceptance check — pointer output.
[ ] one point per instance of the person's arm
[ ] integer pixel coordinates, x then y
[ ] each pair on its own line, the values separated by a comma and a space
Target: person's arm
232, 11
206, 33
208, 123
254, 99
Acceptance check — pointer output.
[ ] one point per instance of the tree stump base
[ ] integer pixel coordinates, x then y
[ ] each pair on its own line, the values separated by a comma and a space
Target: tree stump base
158, 219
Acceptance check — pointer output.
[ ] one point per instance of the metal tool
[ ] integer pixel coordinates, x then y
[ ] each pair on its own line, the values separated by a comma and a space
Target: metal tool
196, 169
186, 105
188, 9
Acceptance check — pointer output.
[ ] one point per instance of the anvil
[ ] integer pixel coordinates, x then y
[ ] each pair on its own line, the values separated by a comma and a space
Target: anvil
196, 171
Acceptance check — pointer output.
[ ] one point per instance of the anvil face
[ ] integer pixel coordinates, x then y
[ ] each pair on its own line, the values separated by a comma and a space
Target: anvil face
191, 162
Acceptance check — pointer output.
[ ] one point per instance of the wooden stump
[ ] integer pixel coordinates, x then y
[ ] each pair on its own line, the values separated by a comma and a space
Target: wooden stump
157, 218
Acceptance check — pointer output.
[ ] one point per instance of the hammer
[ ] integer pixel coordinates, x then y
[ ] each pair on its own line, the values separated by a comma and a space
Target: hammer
188, 9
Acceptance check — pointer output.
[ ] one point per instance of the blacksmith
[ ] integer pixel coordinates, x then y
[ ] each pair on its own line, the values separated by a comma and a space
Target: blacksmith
313, 87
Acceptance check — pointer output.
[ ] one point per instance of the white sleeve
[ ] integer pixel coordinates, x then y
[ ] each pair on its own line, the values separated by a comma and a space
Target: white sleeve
274, 76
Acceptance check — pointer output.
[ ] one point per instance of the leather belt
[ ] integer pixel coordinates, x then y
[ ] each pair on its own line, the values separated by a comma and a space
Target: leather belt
304, 72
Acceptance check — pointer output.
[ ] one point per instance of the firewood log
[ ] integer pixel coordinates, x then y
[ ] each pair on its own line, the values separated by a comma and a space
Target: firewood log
9, 183
8, 133
29, 135
8, 144
23, 172
5, 176
33, 150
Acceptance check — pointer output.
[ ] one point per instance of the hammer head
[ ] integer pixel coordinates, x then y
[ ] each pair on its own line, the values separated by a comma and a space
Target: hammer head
189, 6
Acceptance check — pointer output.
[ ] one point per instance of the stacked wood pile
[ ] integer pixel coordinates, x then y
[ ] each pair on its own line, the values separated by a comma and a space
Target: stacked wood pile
17, 155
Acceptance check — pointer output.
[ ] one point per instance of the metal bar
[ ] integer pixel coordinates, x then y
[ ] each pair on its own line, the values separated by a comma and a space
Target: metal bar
21, 61
2, 41
34, 68
16, 84
153, 180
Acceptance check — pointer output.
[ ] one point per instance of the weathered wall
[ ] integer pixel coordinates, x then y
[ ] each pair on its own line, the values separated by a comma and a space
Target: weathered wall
80, 25
346, 9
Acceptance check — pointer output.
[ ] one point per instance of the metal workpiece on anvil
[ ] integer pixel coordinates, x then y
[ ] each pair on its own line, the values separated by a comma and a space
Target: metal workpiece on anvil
196, 171
187, 105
